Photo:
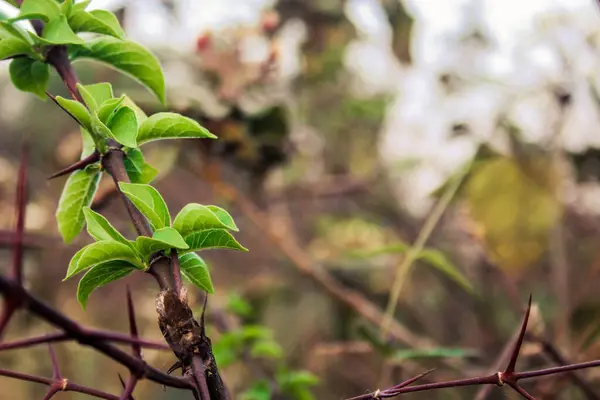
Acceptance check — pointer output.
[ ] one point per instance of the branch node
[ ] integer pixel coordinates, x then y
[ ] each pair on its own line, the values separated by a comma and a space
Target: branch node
500, 377
64, 384
376, 394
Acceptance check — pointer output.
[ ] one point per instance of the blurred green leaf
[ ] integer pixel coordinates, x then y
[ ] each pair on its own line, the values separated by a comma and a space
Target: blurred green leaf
238, 305
440, 352
39, 9
266, 349
78, 192
258, 391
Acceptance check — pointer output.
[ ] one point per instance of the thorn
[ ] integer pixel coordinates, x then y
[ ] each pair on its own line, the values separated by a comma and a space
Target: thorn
510, 369
174, 367
137, 349
521, 391
55, 367
81, 164
51, 392
411, 380
128, 388
64, 109
17, 261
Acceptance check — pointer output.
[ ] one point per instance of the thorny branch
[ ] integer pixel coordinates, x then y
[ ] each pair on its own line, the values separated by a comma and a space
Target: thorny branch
161, 269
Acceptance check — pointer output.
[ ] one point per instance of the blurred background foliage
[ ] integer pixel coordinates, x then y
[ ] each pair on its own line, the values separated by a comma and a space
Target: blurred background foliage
356, 127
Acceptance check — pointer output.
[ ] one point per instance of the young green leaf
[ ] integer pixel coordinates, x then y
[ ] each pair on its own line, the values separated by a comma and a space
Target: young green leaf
88, 99
212, 239
29, 75
100, 92
75, 261
99, 276
149, 202
66, 7
78, 192
100, 229
58, 31
194, 269
163, 239
137, 168
196, 217
224, 217
97, 21
99, 129
81, 5
168, 125
108, 108
140, 114
128, 57
77, 111
38, 9
11, 47
104, 251
124, 126
14, 31
88, 145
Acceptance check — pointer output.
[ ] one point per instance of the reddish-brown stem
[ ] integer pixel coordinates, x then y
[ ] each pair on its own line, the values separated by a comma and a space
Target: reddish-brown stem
17, 260
81, 164
55, 385
136, 348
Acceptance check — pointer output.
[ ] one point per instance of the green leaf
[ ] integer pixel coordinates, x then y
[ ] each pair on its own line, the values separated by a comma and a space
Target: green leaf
58, 31
196, 217
124, 126
100, 229
224, 217
439, 261
38, 9
439, 352
96, 94
212, 239
81, 5
29, 75
128, 57
168, 125
108, 108
11, 47
88, 145
163, 239
99, 276
78, 192
97, 21
77, 111
66, 7
99, 129
260, 390
104, 251
149, 202
137, 168
75, 260
8, 30
195, 270
140, 114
